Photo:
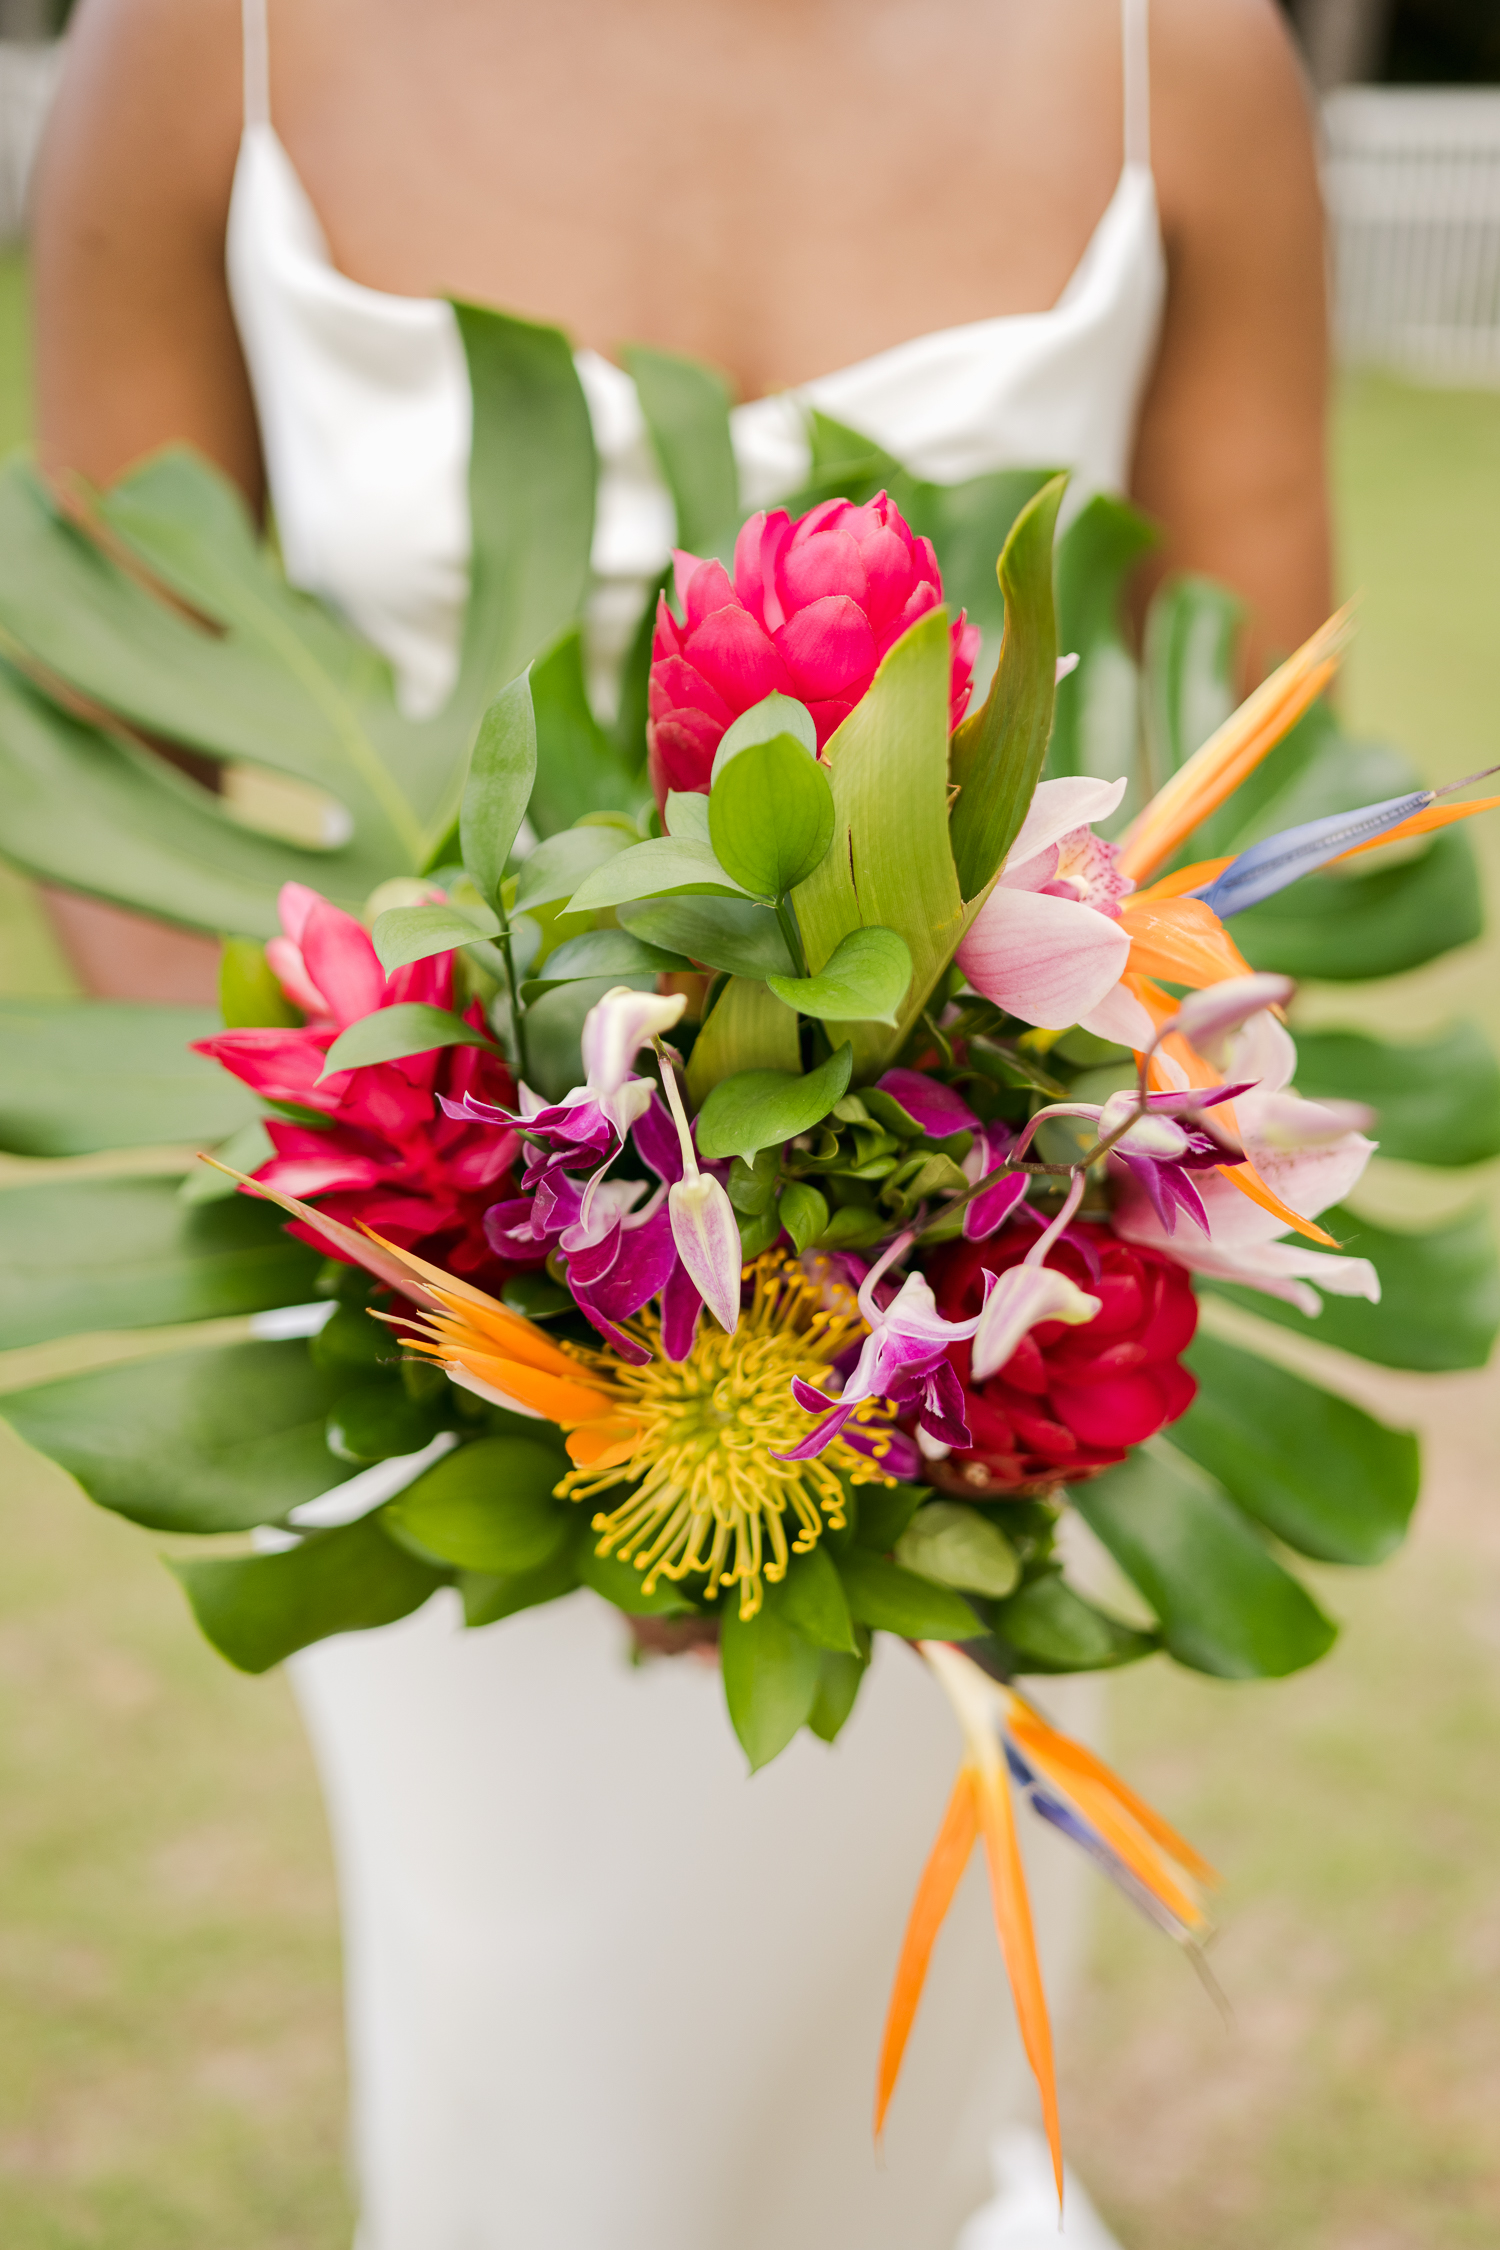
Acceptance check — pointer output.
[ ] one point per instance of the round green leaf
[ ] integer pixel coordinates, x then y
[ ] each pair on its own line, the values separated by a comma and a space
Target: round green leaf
773, 715
864, 980
959, 1547
759, 1109
414, 933
770, 816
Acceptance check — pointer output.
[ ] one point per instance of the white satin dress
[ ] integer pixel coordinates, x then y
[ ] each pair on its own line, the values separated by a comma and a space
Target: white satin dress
604, 1992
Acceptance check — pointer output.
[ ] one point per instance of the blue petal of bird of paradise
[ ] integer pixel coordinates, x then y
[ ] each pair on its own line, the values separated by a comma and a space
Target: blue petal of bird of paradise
1268, 867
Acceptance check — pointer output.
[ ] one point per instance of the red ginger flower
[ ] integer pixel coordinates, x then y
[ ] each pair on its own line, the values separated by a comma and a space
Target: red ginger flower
812, 608
1070, 1400
388, 1158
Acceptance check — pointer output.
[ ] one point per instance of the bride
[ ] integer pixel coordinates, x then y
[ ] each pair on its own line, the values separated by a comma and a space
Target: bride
603, 1993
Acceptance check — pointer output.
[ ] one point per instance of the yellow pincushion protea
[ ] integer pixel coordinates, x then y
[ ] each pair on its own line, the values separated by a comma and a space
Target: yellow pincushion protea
708, 1494
693, 1442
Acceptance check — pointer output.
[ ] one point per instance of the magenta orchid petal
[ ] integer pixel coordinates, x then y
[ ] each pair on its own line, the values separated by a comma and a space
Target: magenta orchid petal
988, 1212
942, 1409
929, 1103
681, 1306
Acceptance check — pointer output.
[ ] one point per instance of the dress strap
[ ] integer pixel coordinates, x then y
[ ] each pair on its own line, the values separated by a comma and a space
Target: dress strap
1134, 29
257, 62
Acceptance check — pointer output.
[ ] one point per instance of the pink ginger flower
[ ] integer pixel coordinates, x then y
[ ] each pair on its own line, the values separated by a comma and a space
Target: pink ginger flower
387, 1157
812, 608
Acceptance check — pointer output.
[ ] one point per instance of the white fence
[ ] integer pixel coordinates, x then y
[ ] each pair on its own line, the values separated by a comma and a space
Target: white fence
1412, 179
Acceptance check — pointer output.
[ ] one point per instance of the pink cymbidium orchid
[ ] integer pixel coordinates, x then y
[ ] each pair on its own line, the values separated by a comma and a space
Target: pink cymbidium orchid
1048, 944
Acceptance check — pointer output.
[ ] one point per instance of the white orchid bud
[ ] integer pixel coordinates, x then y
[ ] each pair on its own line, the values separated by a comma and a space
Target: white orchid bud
707, 1235
1207, 1019
1150, 1135
617, 1027
1021, 1300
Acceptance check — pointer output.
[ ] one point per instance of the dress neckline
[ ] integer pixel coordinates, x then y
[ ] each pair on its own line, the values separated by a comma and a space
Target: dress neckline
1133, 175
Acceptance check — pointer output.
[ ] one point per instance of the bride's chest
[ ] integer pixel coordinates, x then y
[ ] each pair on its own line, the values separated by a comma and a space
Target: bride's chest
777, 191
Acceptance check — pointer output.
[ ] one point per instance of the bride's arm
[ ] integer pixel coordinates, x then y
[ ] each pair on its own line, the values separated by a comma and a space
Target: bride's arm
136, 346
1230, 456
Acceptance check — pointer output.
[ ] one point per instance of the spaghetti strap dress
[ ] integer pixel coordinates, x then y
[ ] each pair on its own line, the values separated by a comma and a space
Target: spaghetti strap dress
604, 1992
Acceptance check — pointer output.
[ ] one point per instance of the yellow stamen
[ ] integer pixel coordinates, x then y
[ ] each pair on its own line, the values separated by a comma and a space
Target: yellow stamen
708, 1497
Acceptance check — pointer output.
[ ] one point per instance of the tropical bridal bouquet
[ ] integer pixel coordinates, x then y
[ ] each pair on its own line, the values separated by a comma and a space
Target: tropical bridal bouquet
815, 1150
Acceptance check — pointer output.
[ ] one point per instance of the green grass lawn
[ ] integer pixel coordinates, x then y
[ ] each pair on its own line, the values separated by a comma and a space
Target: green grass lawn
170, 2069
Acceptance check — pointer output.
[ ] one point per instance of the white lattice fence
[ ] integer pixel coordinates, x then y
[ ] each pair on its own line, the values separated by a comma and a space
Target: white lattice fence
1412, 179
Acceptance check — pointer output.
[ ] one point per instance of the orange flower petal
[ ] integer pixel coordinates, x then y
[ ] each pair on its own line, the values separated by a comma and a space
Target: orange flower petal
1033, 1733
1182, 940
1002, 1853
1235, 750
603, 1445
1420, 824
1249, 1182
940, 1879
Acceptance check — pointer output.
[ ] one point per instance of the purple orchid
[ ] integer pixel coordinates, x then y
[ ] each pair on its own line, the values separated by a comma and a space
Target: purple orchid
588, 1126
1158, 1149
904, 1359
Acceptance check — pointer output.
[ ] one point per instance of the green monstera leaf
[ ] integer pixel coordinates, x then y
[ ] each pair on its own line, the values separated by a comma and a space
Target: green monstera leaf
156, 608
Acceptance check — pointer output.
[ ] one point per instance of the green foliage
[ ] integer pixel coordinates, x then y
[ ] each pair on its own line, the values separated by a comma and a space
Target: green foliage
803, 1211
562, 862
411, 1027
664, 866
378, 1422
1314, 1469
260, 1609
749, 1034
621, 1583
686, 405
130, 1253
760, 1108
891, 865
737, 935
502, 771
999, 750
81, 1075
889, 1599
866, 977
770, 816
1225, 1605
249, 993
1440, 1295
236, 666
414, 933
771, 1680
840, 1679
490, 1596
812, 1601
961, 1547
1436, 1103
601, 953
1188, 671
489, 1506
1096, 717
198, 1441
579, 767
1048, 1627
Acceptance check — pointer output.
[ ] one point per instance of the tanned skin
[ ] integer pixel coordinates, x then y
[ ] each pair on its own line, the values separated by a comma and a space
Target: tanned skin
780, 188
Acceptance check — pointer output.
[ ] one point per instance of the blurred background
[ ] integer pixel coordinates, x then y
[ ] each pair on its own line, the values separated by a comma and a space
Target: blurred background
170, 2050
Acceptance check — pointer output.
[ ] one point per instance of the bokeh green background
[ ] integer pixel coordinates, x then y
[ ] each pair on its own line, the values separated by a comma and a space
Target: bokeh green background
170, 2058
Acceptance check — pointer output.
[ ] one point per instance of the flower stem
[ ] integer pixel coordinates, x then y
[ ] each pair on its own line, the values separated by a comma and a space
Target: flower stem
787, 919
517, 1012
